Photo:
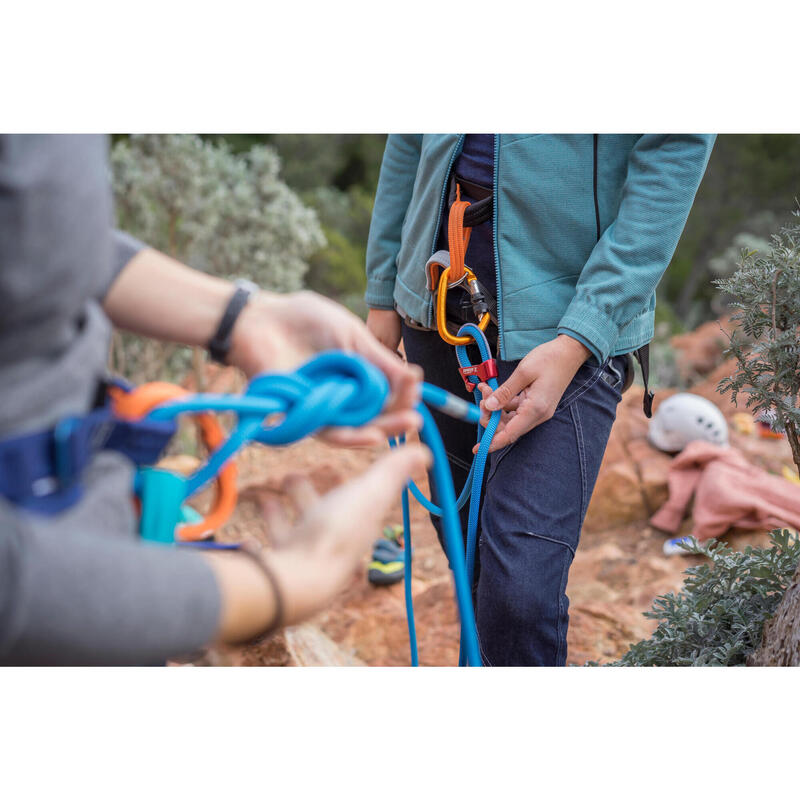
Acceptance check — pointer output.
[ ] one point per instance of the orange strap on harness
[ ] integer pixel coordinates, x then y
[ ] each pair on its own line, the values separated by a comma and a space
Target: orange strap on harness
457, 237
457, 274
137, 403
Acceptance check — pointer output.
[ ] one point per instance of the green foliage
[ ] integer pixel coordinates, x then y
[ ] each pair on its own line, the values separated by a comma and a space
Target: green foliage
747, 175
765, 291
338, 269
224, 213
718, 616
339, 160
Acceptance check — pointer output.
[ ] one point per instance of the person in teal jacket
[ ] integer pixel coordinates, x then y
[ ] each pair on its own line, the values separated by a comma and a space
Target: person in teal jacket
573, 235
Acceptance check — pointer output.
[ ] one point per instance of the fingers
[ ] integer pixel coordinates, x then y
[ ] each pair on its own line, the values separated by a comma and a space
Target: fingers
368, 498
486, 392
519, 379
509, 434
382, 427
368, 436
407, 389
300, 491
278, 525
351, 515
383, 357
390, 473
531, 412
379, 346
395, 423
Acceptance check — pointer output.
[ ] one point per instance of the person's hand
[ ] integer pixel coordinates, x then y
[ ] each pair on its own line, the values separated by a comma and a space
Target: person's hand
533, 390
314, 558
385, 325
281, 332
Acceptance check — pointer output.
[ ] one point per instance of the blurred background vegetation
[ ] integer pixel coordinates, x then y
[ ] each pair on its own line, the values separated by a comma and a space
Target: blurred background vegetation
293, 210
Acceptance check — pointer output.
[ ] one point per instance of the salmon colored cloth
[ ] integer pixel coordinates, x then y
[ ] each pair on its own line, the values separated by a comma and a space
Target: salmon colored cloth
728, 491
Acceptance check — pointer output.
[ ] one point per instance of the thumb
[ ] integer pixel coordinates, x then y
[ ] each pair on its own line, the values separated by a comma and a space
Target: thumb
384, 480
368, 498
519, 379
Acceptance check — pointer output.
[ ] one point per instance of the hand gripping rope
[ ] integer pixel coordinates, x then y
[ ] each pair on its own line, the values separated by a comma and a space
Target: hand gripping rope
333, 389
486, 372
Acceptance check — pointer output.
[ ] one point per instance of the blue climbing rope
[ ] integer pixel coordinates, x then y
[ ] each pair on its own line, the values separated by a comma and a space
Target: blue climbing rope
333, 389
473, 486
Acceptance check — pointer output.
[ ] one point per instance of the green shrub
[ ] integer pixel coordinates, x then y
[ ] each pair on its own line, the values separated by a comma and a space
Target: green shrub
718, 616
764, 293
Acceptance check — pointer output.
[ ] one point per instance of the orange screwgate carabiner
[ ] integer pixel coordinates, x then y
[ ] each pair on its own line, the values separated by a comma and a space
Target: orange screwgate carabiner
138, 403
441, 308
457, 273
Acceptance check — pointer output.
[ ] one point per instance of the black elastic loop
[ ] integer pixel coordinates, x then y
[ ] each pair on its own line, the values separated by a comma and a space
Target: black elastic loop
277, 619
643, 357
220, 343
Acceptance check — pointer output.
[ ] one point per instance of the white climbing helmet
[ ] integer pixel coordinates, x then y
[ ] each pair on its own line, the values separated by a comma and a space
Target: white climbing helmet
683, 418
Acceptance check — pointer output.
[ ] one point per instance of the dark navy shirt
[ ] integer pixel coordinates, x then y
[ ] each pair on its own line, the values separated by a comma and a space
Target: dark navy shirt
476, 162
476, 165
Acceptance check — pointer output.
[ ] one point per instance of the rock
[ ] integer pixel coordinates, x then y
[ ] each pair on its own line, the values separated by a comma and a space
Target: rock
653, 469
708, 389
617, 499
308, 646
697, 353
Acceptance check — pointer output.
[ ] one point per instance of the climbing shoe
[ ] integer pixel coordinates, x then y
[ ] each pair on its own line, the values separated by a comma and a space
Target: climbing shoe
387, 565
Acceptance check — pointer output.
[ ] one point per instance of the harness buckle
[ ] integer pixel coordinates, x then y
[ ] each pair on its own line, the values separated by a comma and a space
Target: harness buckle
483, 371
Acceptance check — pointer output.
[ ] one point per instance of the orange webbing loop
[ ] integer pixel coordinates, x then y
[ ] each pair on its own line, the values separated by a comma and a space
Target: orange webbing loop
139, 402
457, 272
457, 237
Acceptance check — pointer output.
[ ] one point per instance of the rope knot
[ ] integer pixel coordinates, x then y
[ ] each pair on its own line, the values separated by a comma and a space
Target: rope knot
333, 389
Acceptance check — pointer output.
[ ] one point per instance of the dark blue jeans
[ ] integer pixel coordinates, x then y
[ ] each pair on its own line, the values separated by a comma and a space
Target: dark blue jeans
536, 492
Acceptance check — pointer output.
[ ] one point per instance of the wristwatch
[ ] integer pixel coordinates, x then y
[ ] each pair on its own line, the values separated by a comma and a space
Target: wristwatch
220, 342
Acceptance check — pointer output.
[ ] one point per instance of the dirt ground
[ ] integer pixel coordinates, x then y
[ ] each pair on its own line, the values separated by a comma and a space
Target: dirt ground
615, 577
618, 570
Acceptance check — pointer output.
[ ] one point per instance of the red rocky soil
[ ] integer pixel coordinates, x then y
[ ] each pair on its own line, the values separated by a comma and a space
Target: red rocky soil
618, 570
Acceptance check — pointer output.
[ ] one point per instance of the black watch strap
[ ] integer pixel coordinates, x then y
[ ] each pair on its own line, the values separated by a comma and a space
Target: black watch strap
220, 342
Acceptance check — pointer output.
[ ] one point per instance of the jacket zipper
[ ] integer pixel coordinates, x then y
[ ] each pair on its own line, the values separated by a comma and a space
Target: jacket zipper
459, 144
594, 184
500, 343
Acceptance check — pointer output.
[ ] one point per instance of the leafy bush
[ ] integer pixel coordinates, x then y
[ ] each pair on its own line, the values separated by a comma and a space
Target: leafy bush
765, 290
223, 212
220, 212
718, 616
338, 269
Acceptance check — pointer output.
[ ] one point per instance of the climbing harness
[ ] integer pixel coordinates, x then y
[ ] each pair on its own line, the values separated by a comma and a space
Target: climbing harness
446, 270
472, 374
333, 389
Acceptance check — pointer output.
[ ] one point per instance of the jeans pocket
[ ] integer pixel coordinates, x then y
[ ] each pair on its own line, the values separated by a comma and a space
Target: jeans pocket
496, 457
613, 377
586, 376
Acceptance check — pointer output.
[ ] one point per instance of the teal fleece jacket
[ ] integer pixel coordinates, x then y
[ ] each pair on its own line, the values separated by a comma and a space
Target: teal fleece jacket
584, 227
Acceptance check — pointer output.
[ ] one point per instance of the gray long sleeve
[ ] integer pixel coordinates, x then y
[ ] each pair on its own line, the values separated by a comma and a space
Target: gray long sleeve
77, 588
82, 599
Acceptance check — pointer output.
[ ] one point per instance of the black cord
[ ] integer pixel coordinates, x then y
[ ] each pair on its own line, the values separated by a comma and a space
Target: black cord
277, 620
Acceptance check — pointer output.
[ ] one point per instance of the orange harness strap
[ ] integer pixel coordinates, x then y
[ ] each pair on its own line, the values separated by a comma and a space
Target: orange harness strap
143, 399
457, 273
457, 237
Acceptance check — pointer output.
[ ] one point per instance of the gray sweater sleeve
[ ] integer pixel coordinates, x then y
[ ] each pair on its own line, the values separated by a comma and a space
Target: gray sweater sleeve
80, 599
125, 247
